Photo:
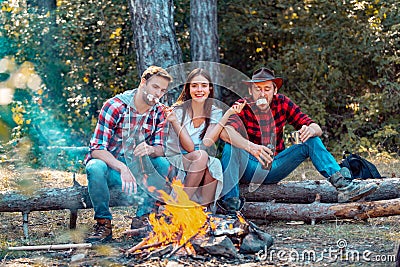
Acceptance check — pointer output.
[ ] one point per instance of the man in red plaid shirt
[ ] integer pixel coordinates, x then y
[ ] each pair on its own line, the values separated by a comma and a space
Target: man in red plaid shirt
128, 138
254, 152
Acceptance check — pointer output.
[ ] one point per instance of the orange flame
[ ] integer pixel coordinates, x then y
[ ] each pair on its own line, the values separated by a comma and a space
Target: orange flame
181, 220
241, 219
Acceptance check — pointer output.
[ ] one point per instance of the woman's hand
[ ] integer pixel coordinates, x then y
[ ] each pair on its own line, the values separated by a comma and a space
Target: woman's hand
236, 108
170, 114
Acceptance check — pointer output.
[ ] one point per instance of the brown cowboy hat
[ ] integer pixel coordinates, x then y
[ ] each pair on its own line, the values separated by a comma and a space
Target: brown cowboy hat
264, 74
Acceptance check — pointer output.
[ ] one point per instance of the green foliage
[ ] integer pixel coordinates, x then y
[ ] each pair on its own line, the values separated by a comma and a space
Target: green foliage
334, 56
99, 56
84, 53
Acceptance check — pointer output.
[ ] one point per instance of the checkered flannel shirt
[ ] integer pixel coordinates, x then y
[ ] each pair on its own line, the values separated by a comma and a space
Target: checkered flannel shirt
114, 117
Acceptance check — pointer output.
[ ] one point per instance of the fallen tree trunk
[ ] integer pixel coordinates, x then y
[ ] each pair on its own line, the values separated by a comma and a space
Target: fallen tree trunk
77, 197
306, 191
317, 211
72, 198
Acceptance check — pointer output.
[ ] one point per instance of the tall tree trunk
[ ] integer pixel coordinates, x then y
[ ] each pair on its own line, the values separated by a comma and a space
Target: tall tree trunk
204, 30
154, 33
204, 36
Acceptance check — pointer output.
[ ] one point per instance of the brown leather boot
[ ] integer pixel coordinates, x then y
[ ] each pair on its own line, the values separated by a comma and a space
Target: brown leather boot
102, 231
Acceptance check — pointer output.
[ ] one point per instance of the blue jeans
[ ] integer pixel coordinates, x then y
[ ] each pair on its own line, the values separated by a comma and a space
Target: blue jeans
101, 178
239, 165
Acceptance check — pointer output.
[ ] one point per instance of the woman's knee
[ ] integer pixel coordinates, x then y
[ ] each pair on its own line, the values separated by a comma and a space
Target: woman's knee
198, 156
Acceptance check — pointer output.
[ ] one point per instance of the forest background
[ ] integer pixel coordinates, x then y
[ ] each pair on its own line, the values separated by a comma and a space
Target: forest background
62, 59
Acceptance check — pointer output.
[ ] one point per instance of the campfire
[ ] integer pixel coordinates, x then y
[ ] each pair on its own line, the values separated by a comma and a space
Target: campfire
184, 228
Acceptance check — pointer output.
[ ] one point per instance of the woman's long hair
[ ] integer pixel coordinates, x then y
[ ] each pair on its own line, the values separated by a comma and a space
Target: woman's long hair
185, 99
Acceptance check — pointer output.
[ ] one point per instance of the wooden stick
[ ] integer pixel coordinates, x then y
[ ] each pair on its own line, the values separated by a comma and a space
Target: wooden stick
51, 247
181, 246
153, 245
159, 252
134, 232
138, 246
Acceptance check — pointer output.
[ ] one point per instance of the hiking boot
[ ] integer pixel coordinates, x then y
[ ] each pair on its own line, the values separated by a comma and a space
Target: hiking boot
102, 231
348, 189
231, 205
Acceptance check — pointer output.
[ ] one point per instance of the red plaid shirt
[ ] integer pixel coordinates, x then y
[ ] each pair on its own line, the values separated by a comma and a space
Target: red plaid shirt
117, 123
257, 125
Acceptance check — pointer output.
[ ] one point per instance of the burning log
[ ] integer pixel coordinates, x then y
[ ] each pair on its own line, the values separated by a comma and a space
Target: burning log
186, 226
143, 245
183, 245
180, 221
140, 232
160, 252
306, 191
317, 211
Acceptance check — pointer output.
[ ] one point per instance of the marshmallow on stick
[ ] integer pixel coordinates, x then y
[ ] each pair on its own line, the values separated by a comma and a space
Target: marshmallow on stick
261, 101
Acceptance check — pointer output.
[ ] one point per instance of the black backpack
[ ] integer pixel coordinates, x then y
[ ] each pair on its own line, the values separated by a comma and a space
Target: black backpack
359, 167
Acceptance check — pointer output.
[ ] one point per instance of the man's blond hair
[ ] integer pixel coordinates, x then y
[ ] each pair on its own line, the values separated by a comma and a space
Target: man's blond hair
156, 71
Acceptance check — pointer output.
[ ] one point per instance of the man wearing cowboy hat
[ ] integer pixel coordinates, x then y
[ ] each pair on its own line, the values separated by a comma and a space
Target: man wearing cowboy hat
255, 153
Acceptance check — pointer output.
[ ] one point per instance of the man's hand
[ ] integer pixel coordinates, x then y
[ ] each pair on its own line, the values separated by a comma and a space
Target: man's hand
306, 132
128, 181
262, 153
143, 149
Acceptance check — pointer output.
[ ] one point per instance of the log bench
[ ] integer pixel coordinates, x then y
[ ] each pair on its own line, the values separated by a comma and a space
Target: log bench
309, 200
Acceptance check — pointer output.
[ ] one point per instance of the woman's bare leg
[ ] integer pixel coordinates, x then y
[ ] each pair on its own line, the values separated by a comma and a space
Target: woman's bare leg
195, 164
208, 188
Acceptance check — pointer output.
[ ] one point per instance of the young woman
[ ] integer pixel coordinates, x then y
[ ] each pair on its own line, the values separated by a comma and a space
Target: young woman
195, 125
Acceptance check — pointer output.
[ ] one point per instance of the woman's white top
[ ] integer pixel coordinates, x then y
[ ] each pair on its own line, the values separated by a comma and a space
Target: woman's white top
174, 151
